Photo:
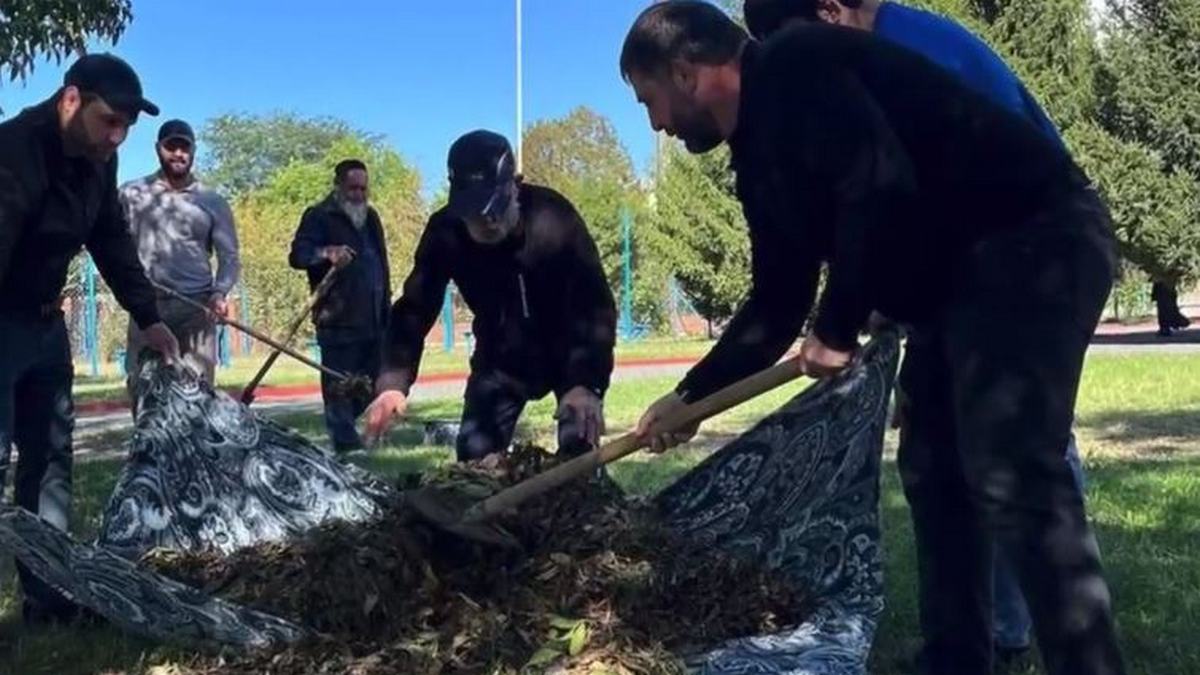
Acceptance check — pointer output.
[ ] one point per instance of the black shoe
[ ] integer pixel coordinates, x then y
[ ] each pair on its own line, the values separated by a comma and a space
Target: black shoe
1164, 332
1180, 321
348, 448
1007, 657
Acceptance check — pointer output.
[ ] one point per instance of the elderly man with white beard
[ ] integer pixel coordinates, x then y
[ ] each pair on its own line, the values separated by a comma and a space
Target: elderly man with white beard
343, 231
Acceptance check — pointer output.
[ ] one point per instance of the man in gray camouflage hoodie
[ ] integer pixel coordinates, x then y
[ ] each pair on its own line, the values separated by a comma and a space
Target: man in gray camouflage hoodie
178, 225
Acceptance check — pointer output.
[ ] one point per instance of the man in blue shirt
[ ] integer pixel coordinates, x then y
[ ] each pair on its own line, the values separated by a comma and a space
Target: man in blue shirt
956, 49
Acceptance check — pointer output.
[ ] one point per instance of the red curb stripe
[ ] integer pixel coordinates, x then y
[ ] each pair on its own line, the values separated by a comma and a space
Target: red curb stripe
288, 392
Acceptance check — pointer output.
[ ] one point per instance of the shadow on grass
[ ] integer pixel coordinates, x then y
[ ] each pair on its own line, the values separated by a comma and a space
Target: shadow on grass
1147, 519
93, 484
1125, 426
76, 650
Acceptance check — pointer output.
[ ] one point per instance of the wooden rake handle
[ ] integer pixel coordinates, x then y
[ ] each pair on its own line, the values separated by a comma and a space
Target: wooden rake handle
317, 294
266, 339
713, 404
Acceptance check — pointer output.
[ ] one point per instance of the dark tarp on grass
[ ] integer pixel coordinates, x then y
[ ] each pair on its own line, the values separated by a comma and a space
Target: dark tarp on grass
800, 491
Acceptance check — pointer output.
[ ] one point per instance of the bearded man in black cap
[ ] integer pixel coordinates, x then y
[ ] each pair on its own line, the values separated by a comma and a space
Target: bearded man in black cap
58, 194
545, 320
179, 224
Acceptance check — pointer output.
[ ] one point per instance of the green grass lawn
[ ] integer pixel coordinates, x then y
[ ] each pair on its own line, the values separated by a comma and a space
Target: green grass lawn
1139, 431
110, 385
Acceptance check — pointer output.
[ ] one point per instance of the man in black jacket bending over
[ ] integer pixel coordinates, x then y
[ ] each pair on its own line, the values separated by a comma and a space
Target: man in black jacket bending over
545, 320
929, 203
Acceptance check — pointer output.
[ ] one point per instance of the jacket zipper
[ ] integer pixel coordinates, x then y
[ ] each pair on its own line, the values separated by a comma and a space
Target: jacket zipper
524, 299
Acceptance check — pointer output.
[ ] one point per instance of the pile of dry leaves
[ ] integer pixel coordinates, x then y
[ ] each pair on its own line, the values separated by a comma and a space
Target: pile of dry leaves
598, 587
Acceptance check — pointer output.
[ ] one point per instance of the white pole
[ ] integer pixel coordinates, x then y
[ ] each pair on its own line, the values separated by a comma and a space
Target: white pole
520, 123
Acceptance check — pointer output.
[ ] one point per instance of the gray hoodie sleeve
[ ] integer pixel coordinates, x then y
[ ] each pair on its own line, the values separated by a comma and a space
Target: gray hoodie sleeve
225, 245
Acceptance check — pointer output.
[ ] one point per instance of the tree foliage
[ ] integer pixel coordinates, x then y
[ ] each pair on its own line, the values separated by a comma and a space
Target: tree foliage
1150, 105
1154, 59
1130, 107
699, 214
240, 153
31, 30
1154, 210
1051, 46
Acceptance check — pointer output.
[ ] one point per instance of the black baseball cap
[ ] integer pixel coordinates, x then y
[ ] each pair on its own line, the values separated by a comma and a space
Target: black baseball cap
176, 129
111, 79
480, 166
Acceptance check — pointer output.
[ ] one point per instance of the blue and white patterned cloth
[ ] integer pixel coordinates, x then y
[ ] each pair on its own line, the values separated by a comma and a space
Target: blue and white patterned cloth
799, 491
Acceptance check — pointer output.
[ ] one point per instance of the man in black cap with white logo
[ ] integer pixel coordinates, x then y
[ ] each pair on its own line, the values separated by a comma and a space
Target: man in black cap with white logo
178, 224
545, 320
58, 194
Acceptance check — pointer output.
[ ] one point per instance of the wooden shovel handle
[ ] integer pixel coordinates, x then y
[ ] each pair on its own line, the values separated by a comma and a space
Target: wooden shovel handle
713, 404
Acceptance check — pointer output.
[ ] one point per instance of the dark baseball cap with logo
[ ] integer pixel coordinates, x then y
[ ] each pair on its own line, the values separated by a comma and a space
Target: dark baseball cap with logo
112, 80
176, 130
481, 165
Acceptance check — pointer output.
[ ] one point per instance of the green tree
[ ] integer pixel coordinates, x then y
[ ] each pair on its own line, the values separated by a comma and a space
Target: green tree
970, 13
1051, 46
240, 153
54, 29
1149, 103
1154, 210
1122, 104
581, 156
1154, 57
701, 218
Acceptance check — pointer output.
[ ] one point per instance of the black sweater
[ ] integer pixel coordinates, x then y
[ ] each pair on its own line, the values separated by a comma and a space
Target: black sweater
853, 151
544, 313
51, 206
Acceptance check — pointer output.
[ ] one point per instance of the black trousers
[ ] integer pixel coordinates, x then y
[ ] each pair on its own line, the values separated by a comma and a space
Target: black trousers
992, 382
492, 405
1166, 305
37, 415
342, 408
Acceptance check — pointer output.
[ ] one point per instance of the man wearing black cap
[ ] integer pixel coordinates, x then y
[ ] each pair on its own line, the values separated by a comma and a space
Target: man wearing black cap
545, 320
344, 232
178, 224
58, 194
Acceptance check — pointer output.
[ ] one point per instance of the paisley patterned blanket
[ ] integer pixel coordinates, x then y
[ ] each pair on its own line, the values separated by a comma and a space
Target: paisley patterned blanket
205, 472
800, 491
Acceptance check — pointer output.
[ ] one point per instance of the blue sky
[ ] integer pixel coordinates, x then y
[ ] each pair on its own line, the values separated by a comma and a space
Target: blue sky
420, 73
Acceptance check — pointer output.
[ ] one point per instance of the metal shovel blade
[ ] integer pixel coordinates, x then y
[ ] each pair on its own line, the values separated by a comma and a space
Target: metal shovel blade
446, 510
